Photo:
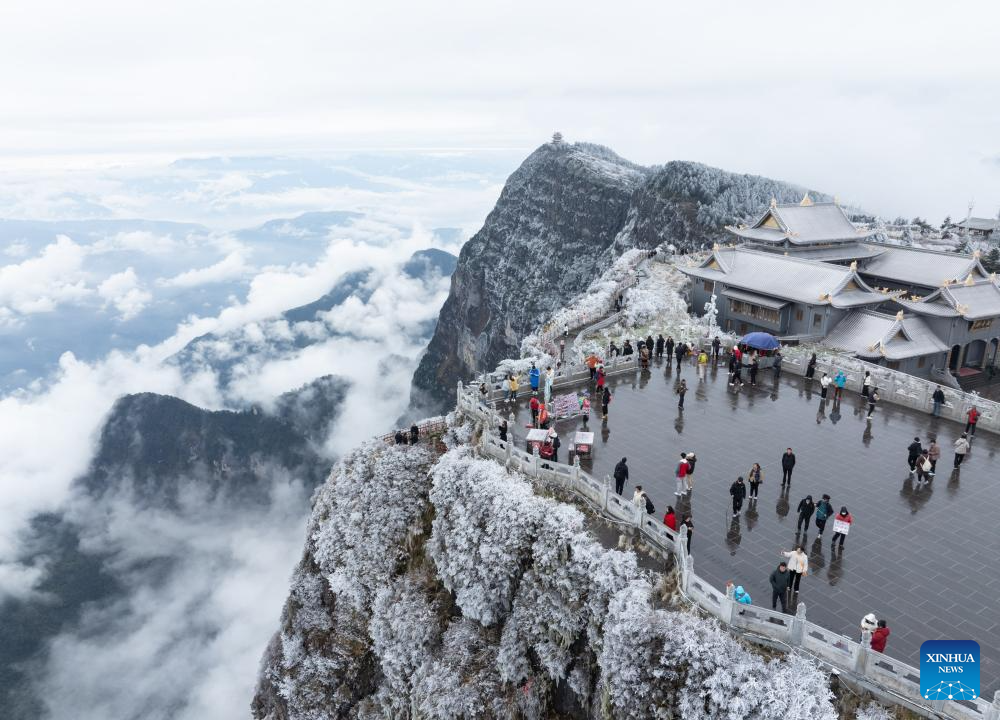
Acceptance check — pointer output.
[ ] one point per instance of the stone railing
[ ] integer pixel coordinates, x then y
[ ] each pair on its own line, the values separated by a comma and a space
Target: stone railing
895, 386
882, 675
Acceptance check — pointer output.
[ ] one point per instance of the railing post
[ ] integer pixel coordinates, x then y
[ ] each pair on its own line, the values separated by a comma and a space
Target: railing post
729, 604
534, 460
607, 491
576, 471
861, 653
993, 711
459, 394
796, 630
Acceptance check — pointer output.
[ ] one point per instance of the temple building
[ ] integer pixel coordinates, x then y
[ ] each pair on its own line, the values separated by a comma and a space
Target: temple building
805, 272
980, 228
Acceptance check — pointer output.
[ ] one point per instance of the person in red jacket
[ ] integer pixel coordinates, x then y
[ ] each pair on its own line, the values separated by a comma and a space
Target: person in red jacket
970, 426
880, 636
670, 518
841, 526
534, 405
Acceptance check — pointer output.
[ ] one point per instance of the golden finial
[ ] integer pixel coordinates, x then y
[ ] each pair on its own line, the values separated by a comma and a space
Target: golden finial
774, 203
899, 315
969, 282
976, 253
946, 283
806, 200
962, 309
715, 247
854, 265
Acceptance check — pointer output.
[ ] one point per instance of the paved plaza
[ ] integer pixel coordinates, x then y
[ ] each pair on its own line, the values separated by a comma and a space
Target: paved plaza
926, 559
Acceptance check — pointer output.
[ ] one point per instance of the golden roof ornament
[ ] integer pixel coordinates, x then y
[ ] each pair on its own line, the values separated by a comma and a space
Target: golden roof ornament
774, 203
715, 247
899, 315
854, 265
806, 200
962, 309
969, 282
976, 253
946, 282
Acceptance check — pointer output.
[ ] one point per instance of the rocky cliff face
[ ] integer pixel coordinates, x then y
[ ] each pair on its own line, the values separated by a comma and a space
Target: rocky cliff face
563, 216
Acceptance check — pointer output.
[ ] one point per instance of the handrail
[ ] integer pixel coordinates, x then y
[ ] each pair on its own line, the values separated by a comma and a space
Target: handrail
886, 677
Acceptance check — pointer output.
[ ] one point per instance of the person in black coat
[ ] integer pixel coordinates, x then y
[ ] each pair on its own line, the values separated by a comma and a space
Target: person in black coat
669, 347
739, 491
621, 475
811, 367
554, 438
679, 353
787, 464
659, 347
414, 434
400, 440
912, 453
503, 431
806, 509
605, 401
780, 580
627, 348
649, 344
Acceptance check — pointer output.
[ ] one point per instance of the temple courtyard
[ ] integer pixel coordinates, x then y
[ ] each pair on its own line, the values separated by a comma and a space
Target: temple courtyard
926, 559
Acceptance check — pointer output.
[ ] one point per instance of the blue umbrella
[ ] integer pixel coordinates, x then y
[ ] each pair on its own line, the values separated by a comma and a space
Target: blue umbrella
760, 341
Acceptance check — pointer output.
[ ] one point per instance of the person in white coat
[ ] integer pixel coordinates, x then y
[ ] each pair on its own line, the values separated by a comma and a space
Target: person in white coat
961, 448
868, 624
798, 565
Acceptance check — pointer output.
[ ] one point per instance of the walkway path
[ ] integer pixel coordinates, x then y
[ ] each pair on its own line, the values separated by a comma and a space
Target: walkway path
926, 559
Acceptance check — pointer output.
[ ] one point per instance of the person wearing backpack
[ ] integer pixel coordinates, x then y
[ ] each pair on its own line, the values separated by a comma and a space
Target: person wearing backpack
823, 511
691, 460
533, 377
973, 418
621, 475
605, 401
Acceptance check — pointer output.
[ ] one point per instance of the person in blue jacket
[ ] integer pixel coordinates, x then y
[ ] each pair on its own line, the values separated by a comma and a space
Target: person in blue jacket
741, 596
533, 376
839, 381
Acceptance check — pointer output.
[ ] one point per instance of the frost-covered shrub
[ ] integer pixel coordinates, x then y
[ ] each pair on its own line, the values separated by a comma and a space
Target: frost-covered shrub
403, 629
655, 659
874, 711
361, 518
460, 681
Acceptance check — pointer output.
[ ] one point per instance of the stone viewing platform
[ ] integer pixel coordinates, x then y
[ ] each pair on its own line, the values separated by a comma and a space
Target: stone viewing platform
924, 558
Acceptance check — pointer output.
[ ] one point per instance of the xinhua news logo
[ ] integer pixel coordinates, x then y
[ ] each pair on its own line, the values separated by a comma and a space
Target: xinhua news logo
949, 670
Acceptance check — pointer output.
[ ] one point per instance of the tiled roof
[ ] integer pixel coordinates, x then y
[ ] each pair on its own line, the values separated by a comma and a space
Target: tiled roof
754, 298
870, 334
973, 302
787, 277
803, 225
928, 268
979, 224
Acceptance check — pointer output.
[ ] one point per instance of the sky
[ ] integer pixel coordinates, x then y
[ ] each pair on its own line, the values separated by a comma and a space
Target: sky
889, 105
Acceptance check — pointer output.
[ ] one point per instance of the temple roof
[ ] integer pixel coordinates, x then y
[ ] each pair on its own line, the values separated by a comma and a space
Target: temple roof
787, 277
974, 300
802, 224
983, 224
929, 268
870, 334
830, 253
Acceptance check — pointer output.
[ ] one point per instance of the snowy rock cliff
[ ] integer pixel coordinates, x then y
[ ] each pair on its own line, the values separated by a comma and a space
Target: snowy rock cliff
443, 586
563, 217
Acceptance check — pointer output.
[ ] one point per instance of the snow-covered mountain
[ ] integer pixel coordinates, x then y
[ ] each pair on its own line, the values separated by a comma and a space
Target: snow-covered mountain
563, 217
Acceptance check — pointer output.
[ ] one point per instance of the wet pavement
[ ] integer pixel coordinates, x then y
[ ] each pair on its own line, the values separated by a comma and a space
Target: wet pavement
926, 559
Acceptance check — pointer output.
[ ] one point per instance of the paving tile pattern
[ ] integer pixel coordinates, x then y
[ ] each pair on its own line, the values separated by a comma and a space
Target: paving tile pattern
925, 558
